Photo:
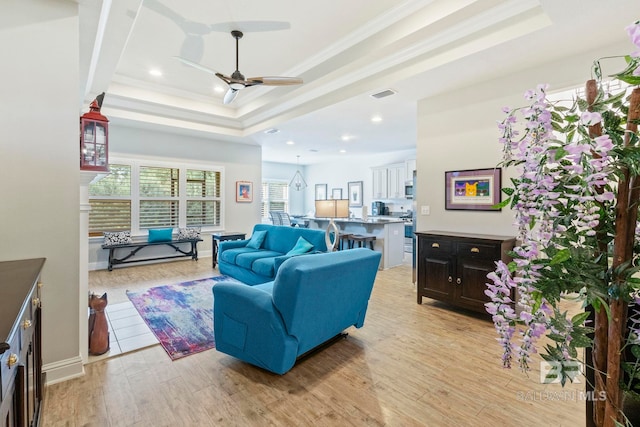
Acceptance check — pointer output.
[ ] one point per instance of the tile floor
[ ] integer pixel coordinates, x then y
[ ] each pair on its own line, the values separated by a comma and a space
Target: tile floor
127, 331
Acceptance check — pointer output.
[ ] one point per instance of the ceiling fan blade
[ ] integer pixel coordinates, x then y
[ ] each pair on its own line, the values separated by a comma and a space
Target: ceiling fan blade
196, 65
230, 96
275, 81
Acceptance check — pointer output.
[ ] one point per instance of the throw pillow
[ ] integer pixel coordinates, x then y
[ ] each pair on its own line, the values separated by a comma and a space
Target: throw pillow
160, 235
117, 237
189, 233
302, 247
256, 239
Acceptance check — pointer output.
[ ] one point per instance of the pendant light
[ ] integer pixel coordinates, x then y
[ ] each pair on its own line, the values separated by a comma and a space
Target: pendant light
297, 182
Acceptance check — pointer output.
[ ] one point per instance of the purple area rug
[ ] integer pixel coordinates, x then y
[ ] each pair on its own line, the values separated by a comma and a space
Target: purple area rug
180, 315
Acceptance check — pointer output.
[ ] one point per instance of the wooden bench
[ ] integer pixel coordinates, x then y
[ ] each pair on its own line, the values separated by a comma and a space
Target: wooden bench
137, 246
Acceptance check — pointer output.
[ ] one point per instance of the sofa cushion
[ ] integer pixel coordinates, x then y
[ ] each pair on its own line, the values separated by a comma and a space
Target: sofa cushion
256, 239
230, 254
302, 246
264, 266
281, 238
245, 260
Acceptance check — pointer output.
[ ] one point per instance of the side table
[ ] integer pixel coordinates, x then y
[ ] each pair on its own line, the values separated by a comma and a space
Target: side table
221, 237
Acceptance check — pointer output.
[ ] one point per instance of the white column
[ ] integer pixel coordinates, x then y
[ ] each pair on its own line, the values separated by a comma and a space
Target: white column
86, 178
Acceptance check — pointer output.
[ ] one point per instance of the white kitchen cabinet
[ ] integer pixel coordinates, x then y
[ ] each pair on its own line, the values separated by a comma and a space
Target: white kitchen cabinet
388, 181
410, 166
379, 183
395, 183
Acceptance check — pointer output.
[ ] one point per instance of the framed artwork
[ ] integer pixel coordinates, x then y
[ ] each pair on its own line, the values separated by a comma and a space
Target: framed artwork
244, 191
336, 193
473, 189
321, 191
354, 189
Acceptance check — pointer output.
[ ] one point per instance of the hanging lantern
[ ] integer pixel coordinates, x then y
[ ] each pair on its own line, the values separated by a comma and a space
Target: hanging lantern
297, 182
94, 138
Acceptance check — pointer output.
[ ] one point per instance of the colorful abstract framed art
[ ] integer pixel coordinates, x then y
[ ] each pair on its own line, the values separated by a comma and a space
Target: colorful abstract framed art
473, 189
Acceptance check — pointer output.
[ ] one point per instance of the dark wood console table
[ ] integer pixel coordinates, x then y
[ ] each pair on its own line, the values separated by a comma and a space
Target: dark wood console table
453, 267
21, 378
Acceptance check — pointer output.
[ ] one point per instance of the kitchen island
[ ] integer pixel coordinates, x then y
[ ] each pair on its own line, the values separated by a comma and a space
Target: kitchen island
389, 234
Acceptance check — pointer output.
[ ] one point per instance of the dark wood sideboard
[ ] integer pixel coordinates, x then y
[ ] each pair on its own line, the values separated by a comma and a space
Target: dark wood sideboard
453, 267
21, 377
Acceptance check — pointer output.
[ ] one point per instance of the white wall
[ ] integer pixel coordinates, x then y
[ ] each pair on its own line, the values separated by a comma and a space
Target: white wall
241, 162
459, 131
339, 173
39, 164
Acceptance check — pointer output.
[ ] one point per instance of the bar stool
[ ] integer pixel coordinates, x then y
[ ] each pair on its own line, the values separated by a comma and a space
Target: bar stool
345, 239
362, 239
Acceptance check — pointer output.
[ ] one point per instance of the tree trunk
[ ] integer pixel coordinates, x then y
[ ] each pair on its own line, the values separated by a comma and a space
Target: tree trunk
597, 356
626, 217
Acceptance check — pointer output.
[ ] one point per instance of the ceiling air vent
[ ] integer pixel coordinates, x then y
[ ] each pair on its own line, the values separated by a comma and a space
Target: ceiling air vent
271, 131
383, 94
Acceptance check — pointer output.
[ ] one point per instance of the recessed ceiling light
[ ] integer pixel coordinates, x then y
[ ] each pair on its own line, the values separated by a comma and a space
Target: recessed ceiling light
155, 72
290, 142
376, 119
346, 137
218, 89
343, 151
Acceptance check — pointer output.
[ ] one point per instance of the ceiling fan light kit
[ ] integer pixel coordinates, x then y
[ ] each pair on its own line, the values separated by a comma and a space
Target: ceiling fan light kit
237, 80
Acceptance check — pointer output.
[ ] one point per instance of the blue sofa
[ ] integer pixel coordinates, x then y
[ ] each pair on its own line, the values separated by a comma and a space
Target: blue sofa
259, 265
312, 299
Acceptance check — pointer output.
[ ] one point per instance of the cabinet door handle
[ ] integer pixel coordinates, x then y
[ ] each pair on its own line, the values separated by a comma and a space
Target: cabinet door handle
475, 250
435, 245
458, 281
450, 279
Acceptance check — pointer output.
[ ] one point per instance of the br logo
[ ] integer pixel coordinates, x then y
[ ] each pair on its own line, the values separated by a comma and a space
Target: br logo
553, 372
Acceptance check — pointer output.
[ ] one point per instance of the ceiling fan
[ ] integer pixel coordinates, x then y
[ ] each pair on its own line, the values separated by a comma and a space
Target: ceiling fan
237, 80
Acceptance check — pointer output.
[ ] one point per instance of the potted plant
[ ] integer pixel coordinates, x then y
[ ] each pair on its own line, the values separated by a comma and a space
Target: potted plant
575, 200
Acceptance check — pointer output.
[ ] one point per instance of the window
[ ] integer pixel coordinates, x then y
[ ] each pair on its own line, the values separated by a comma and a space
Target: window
140, 195
275, 197
158, 191
203, 197
110, 200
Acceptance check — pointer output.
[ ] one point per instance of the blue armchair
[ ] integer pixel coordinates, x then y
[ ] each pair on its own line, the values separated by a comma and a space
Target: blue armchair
312, 299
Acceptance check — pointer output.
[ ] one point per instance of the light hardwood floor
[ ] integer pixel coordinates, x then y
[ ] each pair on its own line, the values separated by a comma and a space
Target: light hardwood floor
410, 365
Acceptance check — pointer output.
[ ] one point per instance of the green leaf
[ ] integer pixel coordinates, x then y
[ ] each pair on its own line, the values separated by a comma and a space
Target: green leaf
508, 191
635, 350
562, 256
560, 153
579, 318
502, 204
556, 337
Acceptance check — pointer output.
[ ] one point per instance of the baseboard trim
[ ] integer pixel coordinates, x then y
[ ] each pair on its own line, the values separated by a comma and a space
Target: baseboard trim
63, 370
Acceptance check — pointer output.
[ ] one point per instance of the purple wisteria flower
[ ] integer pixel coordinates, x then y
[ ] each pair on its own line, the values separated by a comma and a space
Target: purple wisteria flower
556, 180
